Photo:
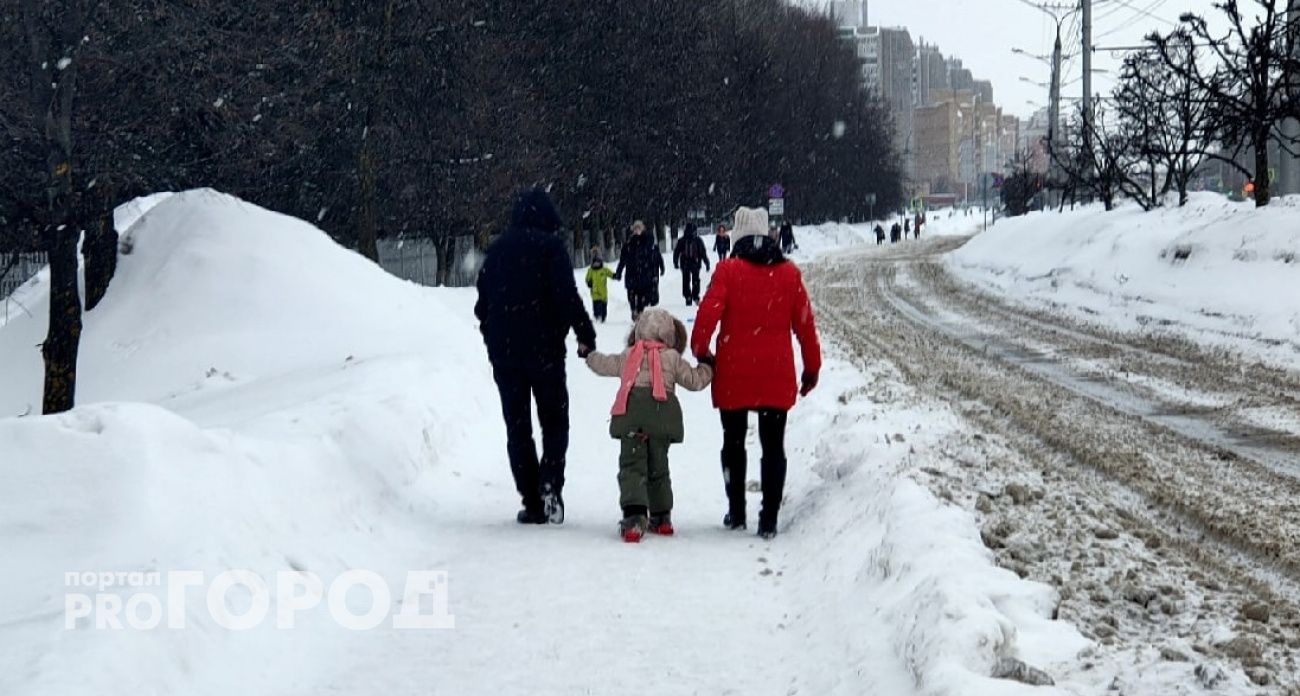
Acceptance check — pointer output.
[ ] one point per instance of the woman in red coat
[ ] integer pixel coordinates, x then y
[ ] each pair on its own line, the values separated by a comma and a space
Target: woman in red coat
759, 299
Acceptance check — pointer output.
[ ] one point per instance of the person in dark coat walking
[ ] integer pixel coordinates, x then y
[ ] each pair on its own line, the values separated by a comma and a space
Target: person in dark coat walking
895, 233
644, 265
880, 235
722, 244
687, 256
786, 235
528, 302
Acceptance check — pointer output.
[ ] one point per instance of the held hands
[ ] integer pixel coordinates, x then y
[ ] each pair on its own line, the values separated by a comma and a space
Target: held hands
708, 359
584, 350
808, 383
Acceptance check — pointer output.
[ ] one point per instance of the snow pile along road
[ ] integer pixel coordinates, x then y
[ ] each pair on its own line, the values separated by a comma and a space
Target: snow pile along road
253, 400
1221, 272
255, 397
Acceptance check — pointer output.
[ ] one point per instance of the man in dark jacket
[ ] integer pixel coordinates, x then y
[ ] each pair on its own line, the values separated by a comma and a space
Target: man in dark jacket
527, 303
644, 265
688, 256
786, 236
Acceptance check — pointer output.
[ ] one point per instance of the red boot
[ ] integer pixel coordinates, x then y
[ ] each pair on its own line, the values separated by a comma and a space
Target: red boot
632, 528
661, 524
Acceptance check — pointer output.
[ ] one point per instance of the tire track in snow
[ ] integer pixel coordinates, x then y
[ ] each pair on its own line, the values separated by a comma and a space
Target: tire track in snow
1228, 523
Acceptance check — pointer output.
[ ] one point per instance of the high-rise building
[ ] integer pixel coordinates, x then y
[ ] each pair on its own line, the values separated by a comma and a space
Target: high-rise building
849, 13
887, 58
959, 77
984, 88
1288, 165
1009, 142
944, 140
930, 73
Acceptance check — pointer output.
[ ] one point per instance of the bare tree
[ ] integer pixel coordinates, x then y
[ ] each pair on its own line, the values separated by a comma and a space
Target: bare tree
1175, 111
54, 31
1247, 93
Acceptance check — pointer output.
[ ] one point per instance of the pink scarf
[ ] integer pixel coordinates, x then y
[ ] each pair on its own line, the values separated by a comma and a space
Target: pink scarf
632, 367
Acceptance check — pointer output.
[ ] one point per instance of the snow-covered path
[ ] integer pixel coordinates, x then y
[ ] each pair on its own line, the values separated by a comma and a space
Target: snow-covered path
571, 607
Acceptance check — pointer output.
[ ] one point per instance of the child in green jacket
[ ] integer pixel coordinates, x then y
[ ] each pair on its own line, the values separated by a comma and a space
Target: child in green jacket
597, 279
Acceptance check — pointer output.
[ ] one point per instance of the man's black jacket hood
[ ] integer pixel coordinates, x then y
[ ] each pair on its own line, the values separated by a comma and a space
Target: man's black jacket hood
534, 210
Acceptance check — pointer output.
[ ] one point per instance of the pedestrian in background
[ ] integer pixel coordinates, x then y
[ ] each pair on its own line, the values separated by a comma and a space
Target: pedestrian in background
598, 281
688, 255
722, 243
643, 265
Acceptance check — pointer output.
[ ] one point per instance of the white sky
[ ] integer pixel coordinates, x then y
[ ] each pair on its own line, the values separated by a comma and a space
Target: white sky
983, 32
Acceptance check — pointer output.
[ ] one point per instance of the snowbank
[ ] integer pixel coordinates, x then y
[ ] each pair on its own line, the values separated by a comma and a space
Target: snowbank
1215, 270
902, 574
211, 290
251, 400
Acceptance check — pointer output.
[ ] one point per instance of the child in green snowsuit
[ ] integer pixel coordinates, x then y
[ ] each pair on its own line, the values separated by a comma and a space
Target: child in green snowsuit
597, 279
647, 418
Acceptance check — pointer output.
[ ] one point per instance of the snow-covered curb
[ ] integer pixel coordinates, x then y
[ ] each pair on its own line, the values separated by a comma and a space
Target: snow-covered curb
907, 569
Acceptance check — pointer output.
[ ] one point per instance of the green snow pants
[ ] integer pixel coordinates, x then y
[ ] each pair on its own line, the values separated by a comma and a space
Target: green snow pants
643, 481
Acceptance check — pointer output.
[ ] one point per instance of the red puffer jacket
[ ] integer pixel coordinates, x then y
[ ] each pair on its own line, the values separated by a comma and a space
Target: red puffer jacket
759, 306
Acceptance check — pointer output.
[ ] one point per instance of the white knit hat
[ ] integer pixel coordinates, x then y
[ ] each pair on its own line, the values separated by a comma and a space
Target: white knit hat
750, 222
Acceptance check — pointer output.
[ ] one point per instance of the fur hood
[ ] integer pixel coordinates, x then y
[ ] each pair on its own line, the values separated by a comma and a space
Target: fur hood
659, 325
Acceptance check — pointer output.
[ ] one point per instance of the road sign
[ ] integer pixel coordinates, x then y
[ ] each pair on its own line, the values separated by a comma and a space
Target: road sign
776, 206
776, 191
871, 199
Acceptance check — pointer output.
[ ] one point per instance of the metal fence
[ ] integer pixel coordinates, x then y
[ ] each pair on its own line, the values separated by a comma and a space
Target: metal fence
25, 267
416, 260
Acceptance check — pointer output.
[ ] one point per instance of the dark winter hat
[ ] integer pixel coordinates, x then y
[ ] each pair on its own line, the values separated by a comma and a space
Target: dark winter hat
534, 209
690, 228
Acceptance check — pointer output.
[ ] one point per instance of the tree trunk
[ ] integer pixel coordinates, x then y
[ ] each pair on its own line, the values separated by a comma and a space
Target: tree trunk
445, 247
64, 335
580, 249
53, 96
367, 225
1262, 183
100, 252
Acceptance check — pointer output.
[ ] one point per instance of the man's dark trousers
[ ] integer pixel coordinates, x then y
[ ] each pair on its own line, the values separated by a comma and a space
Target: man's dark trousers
691, 284
519, 387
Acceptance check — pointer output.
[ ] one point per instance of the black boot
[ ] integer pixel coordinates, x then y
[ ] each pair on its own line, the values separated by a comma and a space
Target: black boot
733, 481
774, 469
533, 513
552, 504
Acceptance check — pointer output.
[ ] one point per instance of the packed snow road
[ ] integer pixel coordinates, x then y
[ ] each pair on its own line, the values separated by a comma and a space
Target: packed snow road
1154, 483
